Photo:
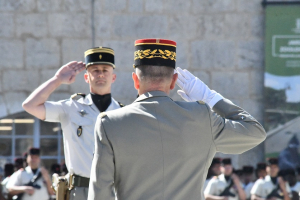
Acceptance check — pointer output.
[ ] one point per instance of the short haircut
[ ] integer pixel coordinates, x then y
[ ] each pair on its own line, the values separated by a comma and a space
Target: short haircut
154, 73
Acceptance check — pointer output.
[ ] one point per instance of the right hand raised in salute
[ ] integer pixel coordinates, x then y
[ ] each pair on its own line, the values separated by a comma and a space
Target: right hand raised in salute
67, 73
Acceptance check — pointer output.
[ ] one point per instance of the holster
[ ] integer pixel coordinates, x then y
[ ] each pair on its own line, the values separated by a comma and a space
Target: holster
60, 185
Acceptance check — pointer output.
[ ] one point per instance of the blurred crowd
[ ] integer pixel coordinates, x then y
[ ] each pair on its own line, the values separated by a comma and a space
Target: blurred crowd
266, 181
223, 181
16, 180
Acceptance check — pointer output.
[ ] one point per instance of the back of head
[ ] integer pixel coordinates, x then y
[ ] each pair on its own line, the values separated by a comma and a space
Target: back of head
154, 74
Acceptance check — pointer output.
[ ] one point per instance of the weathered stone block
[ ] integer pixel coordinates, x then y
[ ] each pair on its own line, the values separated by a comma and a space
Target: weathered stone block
175, 6
49, 6
17, 5
257, 26
14, 102
20, 80
186, 26
77, 5
31, 24
124, 53
115, 5
73, 49
236, 26
214, 26
3, 107
250, 54
182, 54
103, 26
253, 6
257, 83
140, 26
7, 21
154, 6
213, 6
213, 55
136, 6
47, 74
42, 53
11, 53
231, 84
70, 25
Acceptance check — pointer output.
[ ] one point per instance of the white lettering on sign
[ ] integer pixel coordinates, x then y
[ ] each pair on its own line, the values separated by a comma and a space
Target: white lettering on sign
294, 42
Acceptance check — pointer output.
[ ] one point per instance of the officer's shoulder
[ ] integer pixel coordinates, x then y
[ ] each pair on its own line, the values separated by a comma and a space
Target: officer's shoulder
102, 115
120, 104
77, 96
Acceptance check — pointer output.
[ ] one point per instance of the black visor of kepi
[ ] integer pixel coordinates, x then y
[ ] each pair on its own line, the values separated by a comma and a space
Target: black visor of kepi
99, 55
157, 52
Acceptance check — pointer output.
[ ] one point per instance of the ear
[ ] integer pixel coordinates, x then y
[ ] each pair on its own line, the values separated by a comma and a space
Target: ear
114, 76
174, 79
86, 77
136, 81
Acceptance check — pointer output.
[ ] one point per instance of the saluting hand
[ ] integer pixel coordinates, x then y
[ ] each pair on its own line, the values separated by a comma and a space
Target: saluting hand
67, 73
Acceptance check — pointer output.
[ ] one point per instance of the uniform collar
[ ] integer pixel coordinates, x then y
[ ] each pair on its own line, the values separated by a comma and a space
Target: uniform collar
151, 94
87, 100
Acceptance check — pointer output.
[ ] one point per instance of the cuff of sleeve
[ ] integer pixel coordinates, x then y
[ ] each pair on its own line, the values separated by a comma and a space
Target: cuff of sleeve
217, 97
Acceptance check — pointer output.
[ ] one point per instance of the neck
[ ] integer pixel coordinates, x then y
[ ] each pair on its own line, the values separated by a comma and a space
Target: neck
100, 91
143, 90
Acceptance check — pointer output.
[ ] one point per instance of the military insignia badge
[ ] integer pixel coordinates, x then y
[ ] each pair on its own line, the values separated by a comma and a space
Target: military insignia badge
79, 131
82, 113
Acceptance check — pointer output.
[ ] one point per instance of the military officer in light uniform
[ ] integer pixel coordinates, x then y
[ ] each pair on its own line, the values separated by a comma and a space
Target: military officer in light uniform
157, 148
226, 186
78, 114
272, 186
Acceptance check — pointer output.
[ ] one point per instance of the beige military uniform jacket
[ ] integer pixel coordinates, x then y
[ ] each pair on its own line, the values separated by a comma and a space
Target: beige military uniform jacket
160, 149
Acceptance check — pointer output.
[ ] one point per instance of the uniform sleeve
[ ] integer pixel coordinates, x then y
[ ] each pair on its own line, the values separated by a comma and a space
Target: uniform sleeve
15, 180
102, 172
257, 188
234, 130
210, 188
53, 111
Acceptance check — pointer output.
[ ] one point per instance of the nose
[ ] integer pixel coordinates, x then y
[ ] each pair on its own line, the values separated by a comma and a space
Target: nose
101, 74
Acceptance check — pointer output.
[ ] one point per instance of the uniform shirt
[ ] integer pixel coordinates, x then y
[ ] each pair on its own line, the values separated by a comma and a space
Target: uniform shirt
264, 187
22, 177
73, 114
4, 189
296, 187
217, 185
206, 183
247, 189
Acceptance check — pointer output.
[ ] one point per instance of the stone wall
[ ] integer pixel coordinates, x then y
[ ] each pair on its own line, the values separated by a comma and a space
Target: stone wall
220, 41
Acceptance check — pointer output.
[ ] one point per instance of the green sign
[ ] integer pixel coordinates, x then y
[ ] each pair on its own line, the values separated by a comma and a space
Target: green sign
282, 77
282, 47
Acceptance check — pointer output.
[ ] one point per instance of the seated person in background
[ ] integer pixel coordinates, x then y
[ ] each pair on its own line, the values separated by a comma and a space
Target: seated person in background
248, 180
214, 170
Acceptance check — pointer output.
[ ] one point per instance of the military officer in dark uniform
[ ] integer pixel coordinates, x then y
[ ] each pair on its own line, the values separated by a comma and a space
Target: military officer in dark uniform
78, 114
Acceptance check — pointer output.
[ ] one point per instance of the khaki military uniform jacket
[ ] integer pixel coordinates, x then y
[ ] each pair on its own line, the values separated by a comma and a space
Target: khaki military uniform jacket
160, 149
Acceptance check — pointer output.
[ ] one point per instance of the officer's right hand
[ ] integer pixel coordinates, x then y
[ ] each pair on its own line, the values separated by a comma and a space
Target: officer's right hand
67, 73
29, 190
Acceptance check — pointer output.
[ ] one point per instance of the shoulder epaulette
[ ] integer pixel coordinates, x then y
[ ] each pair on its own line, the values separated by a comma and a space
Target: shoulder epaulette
78, 95
121, 105
102, 114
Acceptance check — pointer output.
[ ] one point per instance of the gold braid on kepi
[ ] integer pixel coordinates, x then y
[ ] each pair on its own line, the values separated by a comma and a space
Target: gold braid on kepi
157, 52
98, 56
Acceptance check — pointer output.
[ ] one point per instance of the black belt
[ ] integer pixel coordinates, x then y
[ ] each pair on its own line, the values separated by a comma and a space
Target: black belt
79, 181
